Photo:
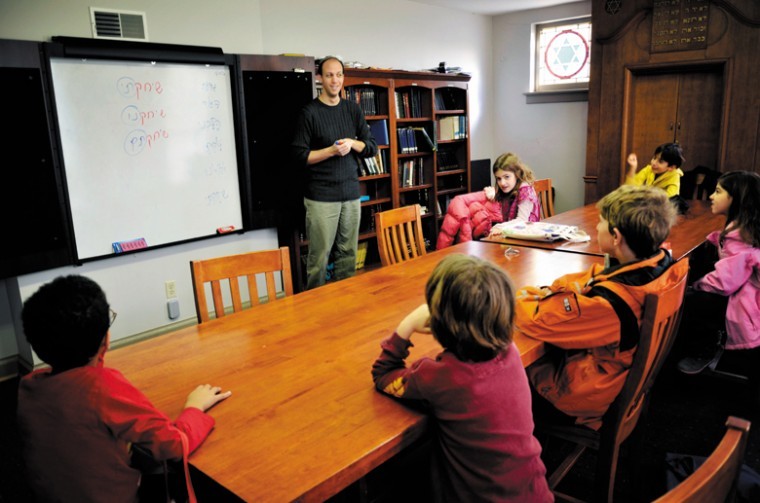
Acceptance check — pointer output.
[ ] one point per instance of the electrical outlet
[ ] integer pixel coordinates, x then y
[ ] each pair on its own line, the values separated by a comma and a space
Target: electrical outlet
171, 289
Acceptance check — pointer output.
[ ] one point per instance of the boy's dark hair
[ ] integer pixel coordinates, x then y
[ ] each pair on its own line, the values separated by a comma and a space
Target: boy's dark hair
671, 153
642, 213
66, 320
744, 212
325, 60
471, 305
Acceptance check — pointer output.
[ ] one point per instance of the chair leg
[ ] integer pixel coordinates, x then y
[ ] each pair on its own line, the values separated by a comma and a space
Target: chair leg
559, 473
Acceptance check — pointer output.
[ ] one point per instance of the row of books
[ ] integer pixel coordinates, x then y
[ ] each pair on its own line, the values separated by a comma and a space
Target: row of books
414, 139
409, 103
412, 172
446, 99
366, 98
447, 160
376, 165
452, 128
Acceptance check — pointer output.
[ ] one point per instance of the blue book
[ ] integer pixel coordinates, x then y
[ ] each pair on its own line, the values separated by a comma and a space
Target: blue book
379, 130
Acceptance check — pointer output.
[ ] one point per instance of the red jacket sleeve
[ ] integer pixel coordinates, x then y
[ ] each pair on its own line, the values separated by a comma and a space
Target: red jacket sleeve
131, 417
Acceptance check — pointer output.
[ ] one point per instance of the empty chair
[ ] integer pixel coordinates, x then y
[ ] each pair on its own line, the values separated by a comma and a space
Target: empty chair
715, 479
231, 268
657, 333
699, 183
399, 234
545, 194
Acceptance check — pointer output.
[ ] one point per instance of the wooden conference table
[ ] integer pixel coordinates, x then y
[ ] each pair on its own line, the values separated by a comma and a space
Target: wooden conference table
304, 420
688, 233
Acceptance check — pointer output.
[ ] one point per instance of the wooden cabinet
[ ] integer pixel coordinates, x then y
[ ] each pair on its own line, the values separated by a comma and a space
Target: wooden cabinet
639, 86
684, 106
426, 159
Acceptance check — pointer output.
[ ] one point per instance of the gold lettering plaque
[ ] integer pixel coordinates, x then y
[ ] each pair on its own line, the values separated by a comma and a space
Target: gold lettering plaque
679, 25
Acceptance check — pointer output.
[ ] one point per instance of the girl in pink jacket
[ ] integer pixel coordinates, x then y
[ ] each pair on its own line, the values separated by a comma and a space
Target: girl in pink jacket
735, 281
470, 216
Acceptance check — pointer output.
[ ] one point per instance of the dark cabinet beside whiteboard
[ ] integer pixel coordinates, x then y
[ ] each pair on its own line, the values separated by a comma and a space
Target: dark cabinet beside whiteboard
35, 229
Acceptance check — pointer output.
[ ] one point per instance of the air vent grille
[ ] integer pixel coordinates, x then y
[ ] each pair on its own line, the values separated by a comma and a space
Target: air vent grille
123, 25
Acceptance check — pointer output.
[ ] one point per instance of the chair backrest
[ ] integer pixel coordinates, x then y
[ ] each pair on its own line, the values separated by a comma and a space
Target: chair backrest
231, 268
399, 234
659, 326
545, 194
699, 183
715, 479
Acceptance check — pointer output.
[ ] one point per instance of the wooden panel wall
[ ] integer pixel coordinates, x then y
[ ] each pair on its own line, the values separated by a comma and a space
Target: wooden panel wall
622, 45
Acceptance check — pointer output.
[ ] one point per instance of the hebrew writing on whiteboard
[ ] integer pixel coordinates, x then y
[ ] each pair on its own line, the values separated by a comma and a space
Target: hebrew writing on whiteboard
149, 152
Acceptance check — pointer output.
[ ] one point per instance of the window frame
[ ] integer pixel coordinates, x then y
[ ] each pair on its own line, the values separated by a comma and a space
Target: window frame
537, 56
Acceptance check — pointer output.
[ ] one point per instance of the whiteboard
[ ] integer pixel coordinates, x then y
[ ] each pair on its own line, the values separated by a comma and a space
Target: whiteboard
148, 149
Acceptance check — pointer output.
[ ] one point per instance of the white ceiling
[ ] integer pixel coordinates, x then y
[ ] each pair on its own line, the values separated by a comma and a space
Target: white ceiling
493, 7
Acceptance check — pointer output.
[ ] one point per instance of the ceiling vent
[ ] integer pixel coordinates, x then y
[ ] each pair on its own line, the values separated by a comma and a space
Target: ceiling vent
114, 24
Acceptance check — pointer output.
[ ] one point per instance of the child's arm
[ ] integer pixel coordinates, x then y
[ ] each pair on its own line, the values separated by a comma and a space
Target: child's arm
131, 417
632, 165
416, 321
730, 274
389, 371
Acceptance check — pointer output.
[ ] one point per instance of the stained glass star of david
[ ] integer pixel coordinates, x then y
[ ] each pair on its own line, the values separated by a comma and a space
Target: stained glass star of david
566, 54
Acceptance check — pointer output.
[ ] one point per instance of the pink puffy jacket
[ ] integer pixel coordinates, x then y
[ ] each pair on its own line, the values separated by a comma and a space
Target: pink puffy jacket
471, 216
468, 215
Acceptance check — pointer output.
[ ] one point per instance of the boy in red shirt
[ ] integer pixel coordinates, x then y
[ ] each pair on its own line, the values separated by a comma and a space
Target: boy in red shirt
79, 419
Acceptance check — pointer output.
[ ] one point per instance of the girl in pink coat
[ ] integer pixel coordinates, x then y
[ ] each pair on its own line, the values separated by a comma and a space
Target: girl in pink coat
733, 287
470, 216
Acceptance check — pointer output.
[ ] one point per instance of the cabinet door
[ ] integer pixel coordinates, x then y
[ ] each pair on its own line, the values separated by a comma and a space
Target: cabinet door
698, 123
681, 106
655, 105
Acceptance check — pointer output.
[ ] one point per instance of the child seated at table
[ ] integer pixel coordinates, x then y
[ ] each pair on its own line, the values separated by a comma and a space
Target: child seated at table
590, 320
476, 389
663, 171
471, 216
79, 420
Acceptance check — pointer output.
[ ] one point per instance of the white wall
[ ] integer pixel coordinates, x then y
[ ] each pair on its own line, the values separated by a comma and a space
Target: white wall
390, 34
549, 137
393, 34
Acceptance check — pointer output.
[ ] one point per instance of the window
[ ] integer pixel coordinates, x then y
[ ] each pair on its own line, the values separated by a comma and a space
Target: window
562, 55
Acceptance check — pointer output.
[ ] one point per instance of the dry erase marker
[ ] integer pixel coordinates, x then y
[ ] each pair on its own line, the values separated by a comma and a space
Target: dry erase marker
225, 229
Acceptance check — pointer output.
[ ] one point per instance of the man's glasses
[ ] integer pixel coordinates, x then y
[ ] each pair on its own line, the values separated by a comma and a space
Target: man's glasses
112, 316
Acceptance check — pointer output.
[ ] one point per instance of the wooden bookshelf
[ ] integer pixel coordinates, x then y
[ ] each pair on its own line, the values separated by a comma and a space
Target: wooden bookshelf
420, 101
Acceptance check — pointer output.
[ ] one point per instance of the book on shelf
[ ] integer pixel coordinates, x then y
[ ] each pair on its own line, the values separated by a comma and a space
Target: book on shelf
446, 99
452, 128
379, 130
365, 97
412, 172
423, 139
447, 160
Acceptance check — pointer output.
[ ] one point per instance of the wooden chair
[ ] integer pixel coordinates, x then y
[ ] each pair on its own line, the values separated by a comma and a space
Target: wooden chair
399, 234
659, 326
545, 193
231, 268
715, 479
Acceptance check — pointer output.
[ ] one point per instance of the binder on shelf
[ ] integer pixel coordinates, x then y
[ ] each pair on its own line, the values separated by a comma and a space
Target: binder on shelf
379, 130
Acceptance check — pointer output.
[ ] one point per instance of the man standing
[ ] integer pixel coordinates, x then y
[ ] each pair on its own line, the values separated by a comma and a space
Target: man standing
330, 134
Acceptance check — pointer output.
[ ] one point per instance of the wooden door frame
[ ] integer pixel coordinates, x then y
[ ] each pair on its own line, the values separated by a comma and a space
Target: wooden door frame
633, 71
